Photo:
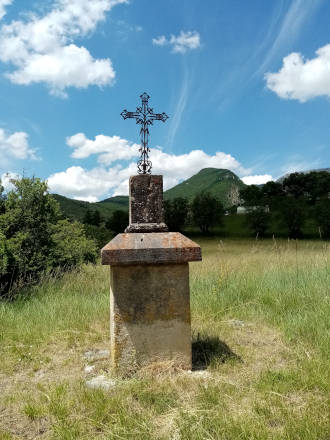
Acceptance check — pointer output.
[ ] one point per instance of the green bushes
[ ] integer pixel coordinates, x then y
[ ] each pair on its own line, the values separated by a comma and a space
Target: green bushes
176, 213
207, 211
33, 238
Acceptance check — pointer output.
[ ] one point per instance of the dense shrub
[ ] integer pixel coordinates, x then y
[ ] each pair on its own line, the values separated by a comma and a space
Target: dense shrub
322, 217
257, 220
33, 237
176, 212
118, 221
207, 211
70, 245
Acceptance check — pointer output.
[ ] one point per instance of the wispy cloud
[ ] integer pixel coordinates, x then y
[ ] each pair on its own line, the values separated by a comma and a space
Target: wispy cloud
181, 43
299, 12
181, 105
297, 163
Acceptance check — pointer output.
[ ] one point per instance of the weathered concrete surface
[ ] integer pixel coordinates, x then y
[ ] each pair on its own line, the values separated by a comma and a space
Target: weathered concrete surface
146, 204
150, 315
146, 227
150, 248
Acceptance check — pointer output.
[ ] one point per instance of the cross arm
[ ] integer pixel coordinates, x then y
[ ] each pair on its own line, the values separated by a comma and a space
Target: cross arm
158, 116
125, 114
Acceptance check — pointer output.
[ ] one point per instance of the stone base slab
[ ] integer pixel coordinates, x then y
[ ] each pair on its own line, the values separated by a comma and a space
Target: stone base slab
150, 248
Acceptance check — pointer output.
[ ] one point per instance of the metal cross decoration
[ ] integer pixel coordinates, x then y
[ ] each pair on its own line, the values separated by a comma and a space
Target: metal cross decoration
144, 116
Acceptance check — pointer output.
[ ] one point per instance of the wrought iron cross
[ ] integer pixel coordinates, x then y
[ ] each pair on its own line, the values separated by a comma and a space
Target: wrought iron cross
144, 116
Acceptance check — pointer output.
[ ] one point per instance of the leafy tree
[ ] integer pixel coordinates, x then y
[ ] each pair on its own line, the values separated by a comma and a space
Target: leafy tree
294, 185
292, 216
100, 234
175, 213
33, 238
251, 195
2, 199
257, 220
317, 185
207, 211
118, 221
322, 217
88, 218
29, 213
96, 218
272, 193
70, 245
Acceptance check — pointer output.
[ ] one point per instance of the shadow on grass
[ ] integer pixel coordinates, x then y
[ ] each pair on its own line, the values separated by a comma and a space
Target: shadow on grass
210, 349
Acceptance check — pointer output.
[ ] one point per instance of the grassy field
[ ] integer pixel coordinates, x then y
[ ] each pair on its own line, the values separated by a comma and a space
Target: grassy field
260, 318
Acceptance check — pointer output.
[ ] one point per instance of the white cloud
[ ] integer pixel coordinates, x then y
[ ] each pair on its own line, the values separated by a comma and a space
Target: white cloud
181, 43
3, 4
160, 41
41, 48
109, 148
89, 185
15, 146
68, 66
102, 181
257, 179
302, 79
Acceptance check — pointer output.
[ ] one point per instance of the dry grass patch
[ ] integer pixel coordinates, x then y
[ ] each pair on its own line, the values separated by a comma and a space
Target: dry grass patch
260, 339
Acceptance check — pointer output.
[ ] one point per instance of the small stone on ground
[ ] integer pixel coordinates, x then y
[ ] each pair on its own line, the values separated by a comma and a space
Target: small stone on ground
236, 323
96, 355
89, 368
100, 382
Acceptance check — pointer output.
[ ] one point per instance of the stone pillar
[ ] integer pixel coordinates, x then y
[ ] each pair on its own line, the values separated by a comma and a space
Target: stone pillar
149, 285
146, 212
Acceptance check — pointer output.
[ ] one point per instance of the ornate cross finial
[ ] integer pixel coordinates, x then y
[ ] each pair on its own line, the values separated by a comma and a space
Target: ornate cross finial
144, 116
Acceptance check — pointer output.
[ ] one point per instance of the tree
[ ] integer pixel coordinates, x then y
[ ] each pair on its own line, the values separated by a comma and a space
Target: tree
294, 185
292, 215
272, 193
251, 195
26, 224
207, 211
322, 217
258, 220
70, 245
2, 199
118, 221
317, 185
33, 238
96, 218
175, 213
88, 218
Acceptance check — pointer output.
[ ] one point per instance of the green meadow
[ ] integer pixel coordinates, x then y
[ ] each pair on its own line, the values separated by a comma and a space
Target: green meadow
261, 332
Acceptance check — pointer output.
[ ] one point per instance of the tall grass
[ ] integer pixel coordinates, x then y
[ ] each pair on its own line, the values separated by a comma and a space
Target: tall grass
260, 319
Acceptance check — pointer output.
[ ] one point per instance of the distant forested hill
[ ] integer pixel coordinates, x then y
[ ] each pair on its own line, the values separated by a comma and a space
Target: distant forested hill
77, 209
221, 183
280, 179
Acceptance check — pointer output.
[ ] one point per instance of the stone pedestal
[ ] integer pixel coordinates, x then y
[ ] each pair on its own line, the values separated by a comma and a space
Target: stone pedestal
149, 290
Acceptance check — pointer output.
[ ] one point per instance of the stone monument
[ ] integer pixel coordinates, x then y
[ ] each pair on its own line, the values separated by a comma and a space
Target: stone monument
149, 280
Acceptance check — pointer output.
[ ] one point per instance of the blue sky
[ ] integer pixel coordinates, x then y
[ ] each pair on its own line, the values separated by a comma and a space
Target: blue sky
246, 86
